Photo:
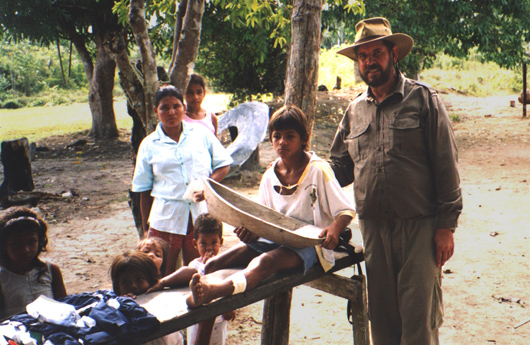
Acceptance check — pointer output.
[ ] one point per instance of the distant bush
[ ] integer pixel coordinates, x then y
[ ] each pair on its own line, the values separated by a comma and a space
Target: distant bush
28, 69
37, 103
12, 104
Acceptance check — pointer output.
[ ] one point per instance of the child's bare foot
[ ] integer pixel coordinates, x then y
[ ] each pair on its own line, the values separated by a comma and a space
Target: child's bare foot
198, 290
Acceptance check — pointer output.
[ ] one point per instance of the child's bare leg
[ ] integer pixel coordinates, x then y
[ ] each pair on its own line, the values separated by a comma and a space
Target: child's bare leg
237, 256
205, 289
265, 265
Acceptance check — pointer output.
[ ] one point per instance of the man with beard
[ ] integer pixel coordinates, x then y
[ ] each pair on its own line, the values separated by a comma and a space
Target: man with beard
397, 145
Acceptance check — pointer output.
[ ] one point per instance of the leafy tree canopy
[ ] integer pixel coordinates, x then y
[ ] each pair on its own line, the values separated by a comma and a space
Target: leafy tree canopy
499, 29
46, 20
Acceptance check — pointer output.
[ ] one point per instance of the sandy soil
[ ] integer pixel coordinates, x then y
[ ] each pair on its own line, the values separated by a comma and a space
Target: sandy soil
485, 283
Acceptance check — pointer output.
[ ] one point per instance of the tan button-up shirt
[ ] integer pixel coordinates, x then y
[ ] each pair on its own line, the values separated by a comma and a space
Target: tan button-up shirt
402, 155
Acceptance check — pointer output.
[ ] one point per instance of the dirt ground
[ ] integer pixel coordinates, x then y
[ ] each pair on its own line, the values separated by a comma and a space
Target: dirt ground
486, 283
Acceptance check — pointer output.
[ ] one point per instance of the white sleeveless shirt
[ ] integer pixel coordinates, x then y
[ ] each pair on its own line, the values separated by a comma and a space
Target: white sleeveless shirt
18, 290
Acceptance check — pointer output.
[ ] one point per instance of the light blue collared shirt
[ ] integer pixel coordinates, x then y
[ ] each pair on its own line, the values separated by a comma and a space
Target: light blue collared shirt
166, 168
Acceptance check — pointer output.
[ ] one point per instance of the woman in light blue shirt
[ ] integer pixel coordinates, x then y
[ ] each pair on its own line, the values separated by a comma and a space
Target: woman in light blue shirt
168, 159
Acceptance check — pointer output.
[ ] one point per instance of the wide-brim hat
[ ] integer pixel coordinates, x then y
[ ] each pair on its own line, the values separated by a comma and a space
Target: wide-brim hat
377, 29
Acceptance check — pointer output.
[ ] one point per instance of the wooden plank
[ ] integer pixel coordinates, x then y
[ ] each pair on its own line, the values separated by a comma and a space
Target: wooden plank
176, 316
337, 286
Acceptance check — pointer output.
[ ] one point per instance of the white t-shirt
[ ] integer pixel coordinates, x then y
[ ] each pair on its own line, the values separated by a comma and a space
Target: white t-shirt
318, 199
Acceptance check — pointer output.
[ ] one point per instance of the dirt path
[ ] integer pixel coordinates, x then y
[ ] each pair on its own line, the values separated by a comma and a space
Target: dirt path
485, 283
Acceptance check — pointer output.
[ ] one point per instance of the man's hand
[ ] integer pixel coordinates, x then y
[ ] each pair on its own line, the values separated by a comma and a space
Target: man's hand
444, 244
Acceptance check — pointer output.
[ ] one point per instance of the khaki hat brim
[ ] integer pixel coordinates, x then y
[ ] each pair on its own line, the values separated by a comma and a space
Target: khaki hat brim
402, 41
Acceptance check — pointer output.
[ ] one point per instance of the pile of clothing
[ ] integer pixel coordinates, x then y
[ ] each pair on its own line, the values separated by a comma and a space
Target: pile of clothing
98, 317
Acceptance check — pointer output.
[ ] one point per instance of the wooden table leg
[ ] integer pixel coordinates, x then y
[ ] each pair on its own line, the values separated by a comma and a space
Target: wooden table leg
276, 318
354, 290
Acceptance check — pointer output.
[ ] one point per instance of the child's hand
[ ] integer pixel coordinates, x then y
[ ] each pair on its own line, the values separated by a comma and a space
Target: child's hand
130, 294
198, 196
332, 234
230, 316
244, 235
207, 256
157, 287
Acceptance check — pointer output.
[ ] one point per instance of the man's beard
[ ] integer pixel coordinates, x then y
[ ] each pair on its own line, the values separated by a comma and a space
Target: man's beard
377, 81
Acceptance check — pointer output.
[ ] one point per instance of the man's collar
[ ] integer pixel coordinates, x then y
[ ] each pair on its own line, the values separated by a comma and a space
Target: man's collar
399, 87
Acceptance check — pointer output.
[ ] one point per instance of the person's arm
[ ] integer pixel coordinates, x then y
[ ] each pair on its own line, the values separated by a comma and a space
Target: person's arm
443, 154
219, 173
58, 288
180, 277
146, 201
214, 122
340, 159
332, 232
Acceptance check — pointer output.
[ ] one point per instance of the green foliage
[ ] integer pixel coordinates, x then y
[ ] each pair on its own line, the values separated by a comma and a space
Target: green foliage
499, 29
28, 69
471, 76
244, 61
12, 104
333, 65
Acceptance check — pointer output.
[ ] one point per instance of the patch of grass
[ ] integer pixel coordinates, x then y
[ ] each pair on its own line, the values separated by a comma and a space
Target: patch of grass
44, 121
472, 77
332, 65
455, 118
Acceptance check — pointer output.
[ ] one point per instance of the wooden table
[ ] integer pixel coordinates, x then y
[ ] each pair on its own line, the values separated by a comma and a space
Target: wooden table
170, 308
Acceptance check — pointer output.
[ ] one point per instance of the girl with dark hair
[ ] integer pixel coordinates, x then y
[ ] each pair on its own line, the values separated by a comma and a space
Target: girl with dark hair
195, 93
132, 274
23, 275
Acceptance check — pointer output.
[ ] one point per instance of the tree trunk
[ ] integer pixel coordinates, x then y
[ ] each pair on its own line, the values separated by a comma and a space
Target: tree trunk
302, 75
100, 76
17, 167
100, 96
188, 45
150, 85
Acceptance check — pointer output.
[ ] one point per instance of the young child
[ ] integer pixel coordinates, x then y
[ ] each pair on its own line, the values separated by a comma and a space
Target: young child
156, 248
208, 241
194, 96
133, 273
23, 276
298, 184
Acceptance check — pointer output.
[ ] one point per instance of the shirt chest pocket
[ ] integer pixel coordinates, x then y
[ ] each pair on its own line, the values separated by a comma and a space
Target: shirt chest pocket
358, 142
407, 135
